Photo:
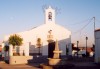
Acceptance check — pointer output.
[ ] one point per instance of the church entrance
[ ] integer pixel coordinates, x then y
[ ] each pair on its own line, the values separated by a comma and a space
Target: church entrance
51, 47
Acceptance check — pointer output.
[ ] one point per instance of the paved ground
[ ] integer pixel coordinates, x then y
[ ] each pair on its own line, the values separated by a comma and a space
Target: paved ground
77, 63
4, 65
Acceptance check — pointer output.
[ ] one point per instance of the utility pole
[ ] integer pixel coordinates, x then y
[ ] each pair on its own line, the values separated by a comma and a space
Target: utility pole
77, 48
94, 31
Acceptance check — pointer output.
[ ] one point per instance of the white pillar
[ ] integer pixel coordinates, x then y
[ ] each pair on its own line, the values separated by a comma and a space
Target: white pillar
10, 50
21, 48
26, 49
3, 53
70, 49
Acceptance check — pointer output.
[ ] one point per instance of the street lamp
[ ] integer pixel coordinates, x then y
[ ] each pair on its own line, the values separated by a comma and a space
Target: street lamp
77, 47
86, 45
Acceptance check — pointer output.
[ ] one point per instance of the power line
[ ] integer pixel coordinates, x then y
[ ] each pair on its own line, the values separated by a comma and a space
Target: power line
83, 27
97, 20
81, 22
80, 30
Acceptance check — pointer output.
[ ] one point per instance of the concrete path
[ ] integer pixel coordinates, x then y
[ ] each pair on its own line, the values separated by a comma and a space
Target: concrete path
79, 63
4, 65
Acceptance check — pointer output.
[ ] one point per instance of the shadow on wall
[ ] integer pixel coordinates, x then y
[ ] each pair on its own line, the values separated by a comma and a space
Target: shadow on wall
34, 51
44, 49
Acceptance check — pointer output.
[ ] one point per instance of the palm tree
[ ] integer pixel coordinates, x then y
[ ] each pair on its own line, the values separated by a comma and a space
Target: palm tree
15, 40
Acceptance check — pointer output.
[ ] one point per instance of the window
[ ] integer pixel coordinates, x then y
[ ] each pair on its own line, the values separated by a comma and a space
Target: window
50, 16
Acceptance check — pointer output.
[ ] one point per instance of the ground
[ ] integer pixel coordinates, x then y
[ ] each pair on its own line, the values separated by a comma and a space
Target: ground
71, 63
22, 66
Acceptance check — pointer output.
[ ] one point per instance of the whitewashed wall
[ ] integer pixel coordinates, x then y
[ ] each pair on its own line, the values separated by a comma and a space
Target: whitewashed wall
97, 46
58, 32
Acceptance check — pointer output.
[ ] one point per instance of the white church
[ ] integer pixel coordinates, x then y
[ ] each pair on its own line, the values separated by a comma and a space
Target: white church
50, 30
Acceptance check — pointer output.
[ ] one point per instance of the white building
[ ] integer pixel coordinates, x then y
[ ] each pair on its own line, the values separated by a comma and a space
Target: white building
49, 30
97, 46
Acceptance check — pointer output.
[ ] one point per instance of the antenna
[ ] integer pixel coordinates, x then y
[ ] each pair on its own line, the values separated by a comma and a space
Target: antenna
44, 7
58, 10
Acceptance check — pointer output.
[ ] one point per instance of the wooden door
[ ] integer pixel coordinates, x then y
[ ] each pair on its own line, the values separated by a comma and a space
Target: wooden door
51, 47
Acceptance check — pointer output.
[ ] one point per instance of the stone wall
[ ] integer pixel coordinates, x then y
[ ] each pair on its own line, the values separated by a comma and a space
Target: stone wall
19, 59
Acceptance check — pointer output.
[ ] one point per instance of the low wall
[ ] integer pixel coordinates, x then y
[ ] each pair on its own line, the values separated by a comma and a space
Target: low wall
19, 59
97, 59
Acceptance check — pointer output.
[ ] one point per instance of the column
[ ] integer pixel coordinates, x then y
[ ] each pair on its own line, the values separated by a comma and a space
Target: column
10, 50
3, 53
26, 49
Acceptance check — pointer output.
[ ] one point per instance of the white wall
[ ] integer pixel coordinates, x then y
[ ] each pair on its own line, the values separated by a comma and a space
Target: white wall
58, 32
97, 46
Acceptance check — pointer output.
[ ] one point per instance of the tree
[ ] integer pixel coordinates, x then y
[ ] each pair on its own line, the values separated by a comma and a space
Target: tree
39, 43
15, 40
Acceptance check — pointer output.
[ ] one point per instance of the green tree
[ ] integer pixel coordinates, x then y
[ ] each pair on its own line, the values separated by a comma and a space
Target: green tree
15, 40
39, 43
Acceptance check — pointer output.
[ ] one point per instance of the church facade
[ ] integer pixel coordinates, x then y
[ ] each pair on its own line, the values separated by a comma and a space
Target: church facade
39, 37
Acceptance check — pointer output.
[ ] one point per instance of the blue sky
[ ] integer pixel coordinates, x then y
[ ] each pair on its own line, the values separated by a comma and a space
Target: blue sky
21, 15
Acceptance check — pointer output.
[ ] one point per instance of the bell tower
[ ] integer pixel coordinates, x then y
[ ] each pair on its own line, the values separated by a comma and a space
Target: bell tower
49, 15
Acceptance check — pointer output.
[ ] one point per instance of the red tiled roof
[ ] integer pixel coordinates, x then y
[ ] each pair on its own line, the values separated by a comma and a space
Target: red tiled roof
97, 30
0, 49
89, 50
